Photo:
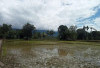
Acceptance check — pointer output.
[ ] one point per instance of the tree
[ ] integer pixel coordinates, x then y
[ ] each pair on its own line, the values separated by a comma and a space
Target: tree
4, 29
27, 30
86, 28
50, 32
81, 34
19, 34
63, 32
43, 34
96, 35
73, 32
11, 34
37, 35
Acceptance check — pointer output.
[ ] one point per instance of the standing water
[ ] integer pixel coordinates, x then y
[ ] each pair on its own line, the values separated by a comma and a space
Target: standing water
28, 55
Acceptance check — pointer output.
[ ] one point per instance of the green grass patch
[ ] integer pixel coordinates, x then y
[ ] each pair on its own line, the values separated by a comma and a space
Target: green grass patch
48, 42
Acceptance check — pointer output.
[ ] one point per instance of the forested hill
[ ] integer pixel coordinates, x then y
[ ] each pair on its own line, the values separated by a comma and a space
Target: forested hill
41, 31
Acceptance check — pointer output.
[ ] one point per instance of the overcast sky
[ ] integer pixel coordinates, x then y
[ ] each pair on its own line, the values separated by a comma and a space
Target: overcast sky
49, 14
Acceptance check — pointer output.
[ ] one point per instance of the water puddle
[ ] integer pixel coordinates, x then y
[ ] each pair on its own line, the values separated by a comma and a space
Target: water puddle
55, 57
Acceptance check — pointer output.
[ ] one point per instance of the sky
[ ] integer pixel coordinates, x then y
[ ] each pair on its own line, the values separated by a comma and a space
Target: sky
50, 14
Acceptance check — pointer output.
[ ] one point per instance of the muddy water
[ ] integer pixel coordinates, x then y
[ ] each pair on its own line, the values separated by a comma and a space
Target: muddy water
53, 56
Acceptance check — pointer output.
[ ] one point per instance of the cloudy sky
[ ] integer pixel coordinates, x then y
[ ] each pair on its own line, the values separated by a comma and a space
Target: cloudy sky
49, 14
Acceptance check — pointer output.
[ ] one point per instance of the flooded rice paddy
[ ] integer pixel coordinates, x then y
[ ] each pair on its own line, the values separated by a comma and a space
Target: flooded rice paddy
30, 55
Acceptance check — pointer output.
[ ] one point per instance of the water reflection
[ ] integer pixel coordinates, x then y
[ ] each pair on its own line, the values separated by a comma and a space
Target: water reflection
63, 52
55, 56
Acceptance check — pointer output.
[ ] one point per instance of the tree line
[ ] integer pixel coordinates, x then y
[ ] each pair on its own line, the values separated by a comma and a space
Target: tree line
72, 33
28, 31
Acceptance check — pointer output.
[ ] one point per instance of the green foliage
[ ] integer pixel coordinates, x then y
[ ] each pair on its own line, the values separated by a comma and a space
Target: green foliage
66, 33
37, 35
63, 32
73, 32
95, 35
11, 34
4, 30
43, 35
50, 32
81, 34
19, 34
27, 30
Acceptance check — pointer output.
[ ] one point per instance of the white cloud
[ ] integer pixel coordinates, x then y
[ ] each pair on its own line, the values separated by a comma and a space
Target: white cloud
97, 21
46, 14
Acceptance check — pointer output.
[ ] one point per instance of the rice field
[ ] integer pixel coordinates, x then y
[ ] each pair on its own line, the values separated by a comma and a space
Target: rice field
50, 54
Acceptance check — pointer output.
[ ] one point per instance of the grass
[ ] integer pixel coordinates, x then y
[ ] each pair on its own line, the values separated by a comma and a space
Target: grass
49, 42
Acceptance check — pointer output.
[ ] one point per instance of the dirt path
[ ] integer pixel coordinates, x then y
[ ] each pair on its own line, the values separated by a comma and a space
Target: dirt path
0, 43
0, 46
1, 64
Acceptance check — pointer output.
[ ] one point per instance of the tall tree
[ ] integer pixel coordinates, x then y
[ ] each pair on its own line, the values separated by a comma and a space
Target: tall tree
73, 32
5, 28
27, 30
81, 34
63, 32
85, 28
